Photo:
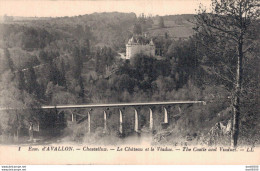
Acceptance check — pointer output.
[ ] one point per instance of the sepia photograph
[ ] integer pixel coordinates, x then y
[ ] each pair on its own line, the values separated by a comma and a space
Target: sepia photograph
129, 82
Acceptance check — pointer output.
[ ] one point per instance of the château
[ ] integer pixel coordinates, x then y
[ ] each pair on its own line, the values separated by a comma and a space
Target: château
138, 45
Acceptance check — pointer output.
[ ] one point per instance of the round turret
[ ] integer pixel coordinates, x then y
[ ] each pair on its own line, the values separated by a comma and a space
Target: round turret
151, 42
131, 41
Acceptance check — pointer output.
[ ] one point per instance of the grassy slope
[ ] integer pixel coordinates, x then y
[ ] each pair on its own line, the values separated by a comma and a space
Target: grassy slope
176, 26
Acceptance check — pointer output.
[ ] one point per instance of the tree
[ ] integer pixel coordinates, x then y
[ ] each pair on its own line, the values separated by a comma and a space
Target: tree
31, 81
20, 80
62, 73
137, 30
44, 57
184, 60
76, 62
11, 97
161, 22
8, 62
230, 20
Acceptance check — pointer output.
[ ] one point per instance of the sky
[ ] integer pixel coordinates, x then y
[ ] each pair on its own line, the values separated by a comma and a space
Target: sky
56, 8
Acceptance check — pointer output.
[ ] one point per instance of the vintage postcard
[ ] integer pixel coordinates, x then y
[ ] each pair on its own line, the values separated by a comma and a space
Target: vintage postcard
129, 82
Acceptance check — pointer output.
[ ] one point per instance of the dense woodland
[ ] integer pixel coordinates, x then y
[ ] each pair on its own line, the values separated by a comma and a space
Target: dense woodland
75, 60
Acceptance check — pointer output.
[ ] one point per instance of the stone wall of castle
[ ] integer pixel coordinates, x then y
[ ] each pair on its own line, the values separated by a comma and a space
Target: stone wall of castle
133, 49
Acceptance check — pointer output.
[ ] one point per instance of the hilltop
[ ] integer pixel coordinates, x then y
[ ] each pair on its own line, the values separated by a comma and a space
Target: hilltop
111, 29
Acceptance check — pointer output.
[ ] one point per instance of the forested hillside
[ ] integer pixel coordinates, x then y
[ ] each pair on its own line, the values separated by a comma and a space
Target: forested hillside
74, 60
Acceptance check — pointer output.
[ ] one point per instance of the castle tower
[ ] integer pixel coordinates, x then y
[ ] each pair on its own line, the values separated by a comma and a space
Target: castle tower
134, 47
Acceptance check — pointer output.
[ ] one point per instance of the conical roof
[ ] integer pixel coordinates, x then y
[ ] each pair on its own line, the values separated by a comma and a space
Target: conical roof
151, 42
131, 41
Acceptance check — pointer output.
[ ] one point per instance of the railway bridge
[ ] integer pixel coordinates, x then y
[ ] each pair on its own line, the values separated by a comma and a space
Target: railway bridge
120, 107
